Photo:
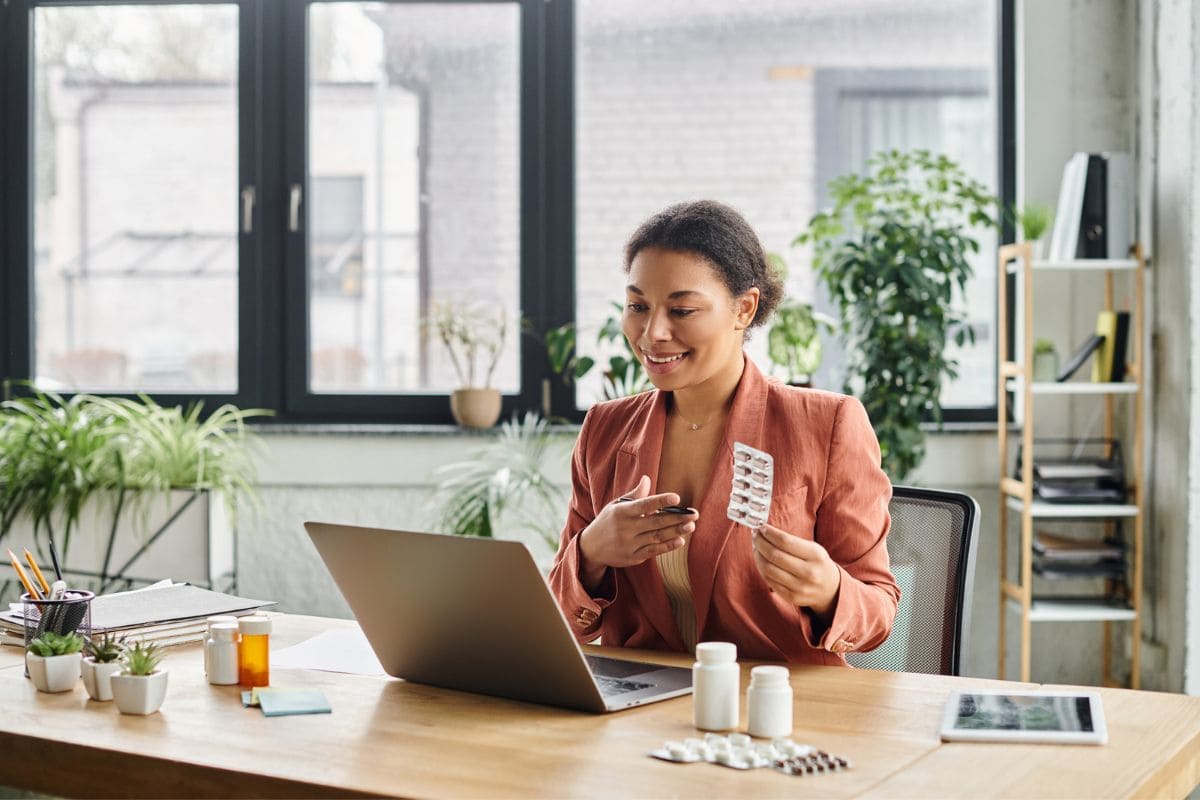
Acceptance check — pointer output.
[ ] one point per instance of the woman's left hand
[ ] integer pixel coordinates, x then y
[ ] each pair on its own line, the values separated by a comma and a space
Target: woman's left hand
799, 570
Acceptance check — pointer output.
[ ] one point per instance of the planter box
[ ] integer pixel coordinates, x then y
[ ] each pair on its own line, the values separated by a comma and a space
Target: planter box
182, 535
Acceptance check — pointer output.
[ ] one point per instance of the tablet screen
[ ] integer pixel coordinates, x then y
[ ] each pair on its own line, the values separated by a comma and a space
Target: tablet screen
1062, 717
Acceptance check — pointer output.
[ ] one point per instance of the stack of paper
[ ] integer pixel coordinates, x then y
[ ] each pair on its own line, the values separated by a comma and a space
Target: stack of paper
165, 613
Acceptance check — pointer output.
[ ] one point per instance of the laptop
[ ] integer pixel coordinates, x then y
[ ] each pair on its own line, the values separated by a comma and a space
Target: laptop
476, 615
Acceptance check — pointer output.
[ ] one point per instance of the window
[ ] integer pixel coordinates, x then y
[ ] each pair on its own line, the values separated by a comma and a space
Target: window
760, 105
263, 202
135, 164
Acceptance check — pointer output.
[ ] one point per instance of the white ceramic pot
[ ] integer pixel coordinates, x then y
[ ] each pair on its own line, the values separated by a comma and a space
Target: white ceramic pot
53, 673
475, 408
97, 678
139, 694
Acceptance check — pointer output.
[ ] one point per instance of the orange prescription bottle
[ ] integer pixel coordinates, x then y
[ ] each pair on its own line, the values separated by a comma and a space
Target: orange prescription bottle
254, 651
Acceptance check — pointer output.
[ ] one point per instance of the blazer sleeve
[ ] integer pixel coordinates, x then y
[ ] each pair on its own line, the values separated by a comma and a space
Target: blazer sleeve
582, 610
852, 523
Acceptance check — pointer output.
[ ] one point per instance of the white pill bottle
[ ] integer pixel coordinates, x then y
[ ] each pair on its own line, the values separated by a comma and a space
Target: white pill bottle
716, 684
769, 703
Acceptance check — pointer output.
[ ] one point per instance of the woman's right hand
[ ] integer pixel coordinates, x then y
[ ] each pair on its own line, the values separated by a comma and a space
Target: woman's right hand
630, 530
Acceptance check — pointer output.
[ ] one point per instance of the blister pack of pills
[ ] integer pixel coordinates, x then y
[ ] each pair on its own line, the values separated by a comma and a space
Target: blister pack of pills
753, 479
739, 751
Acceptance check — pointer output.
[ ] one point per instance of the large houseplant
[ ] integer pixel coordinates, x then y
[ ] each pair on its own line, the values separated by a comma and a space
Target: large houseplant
622, 373
58, 455
504, 487
794, 336
894, 252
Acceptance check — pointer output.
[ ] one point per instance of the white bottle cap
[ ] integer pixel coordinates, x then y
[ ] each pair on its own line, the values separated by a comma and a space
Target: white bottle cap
769, 677
716, 652
221, 618
224, 631
255, 625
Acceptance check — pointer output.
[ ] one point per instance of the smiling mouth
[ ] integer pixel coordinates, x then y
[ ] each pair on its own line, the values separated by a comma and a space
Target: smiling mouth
663, 359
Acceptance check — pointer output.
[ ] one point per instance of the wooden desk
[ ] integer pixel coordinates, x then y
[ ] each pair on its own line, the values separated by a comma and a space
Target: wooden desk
389, 737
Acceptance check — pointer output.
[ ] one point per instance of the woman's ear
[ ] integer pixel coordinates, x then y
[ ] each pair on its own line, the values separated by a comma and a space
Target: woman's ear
745, 306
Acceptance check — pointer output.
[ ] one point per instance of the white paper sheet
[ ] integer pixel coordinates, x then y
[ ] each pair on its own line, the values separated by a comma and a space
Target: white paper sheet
342, 650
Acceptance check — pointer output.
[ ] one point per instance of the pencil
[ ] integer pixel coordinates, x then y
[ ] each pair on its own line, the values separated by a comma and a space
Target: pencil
37, 572
54, 559
30, 589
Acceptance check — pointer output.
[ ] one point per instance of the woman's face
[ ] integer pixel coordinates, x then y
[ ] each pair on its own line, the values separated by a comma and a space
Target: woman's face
681, 320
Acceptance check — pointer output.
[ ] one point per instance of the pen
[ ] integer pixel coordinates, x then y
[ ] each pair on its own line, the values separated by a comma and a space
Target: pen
54, 559
30, 589
37, 573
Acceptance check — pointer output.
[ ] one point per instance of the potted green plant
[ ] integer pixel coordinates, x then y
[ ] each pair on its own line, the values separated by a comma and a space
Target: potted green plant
503, 486
128, 469
794, 337
474, 339
1035, 219
52, 661
894, 252
1045, 361
139, 688
100, 662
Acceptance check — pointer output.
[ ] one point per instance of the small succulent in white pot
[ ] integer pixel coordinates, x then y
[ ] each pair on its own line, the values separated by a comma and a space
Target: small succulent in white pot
101, 661
141, 686
53, 661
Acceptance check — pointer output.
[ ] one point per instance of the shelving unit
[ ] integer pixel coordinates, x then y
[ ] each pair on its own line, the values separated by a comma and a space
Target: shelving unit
1016, 493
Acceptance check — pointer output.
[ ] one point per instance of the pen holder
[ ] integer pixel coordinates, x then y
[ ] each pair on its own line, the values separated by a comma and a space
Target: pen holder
71, 614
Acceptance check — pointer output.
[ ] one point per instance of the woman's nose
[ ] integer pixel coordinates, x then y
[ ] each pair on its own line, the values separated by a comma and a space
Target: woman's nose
658, 328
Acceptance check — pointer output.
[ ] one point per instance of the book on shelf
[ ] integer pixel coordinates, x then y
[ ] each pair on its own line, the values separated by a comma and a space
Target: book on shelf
1053, 547
1109, 365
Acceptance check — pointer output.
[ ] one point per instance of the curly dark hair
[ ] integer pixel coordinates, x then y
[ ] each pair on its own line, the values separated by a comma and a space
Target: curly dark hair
721, 236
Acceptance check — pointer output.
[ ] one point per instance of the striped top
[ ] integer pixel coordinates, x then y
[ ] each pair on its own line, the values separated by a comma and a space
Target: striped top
673, 565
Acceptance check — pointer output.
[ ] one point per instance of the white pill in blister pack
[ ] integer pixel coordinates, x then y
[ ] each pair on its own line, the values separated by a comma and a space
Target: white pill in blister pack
753, 480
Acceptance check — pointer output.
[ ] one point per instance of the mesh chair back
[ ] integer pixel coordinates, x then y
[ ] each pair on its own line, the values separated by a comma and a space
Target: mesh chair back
932, 548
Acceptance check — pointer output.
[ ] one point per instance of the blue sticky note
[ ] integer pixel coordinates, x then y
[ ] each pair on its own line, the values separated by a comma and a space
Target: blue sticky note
281, 702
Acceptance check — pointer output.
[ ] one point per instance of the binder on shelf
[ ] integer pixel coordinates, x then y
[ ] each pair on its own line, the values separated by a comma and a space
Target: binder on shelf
1106, 327
1120, 348
1079, 356
1093, 218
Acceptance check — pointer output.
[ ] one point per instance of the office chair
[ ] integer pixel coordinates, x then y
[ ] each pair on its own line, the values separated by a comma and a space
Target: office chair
932, 549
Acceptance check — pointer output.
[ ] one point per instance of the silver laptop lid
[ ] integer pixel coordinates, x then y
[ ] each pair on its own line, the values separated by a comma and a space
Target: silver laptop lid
457, 612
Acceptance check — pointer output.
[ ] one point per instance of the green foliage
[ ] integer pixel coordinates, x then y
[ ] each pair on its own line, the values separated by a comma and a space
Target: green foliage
1035, 220
623, 375
893, 252
471, 334
141, 658
504, 476
56, 454
105, 649
1042, 346
52, 644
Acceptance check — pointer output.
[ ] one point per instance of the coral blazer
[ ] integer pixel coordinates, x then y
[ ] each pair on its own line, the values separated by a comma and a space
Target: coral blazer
828, 487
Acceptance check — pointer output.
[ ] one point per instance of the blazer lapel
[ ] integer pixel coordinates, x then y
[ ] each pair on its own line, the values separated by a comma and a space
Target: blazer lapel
715, 528
640, 455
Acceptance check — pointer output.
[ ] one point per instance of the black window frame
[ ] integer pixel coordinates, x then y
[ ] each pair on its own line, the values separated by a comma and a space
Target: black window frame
272, 283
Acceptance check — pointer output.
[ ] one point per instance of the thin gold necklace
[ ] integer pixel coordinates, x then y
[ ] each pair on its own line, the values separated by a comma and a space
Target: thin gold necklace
695, 426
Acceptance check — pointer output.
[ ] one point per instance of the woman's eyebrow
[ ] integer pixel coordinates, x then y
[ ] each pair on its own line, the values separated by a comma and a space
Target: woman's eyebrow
671, 296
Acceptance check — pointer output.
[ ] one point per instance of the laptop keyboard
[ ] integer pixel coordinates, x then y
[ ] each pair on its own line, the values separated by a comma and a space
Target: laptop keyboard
613, 686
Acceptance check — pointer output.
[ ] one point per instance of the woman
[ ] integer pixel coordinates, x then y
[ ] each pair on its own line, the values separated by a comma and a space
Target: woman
812, 584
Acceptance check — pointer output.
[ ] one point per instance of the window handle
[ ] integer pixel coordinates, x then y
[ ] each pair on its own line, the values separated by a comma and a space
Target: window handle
294, 208
248, 209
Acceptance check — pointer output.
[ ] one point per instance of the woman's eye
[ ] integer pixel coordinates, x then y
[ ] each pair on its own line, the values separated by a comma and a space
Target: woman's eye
636, 308
683, 312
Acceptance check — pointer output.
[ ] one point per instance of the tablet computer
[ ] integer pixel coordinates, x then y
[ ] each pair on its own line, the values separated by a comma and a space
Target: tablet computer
1063, 717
